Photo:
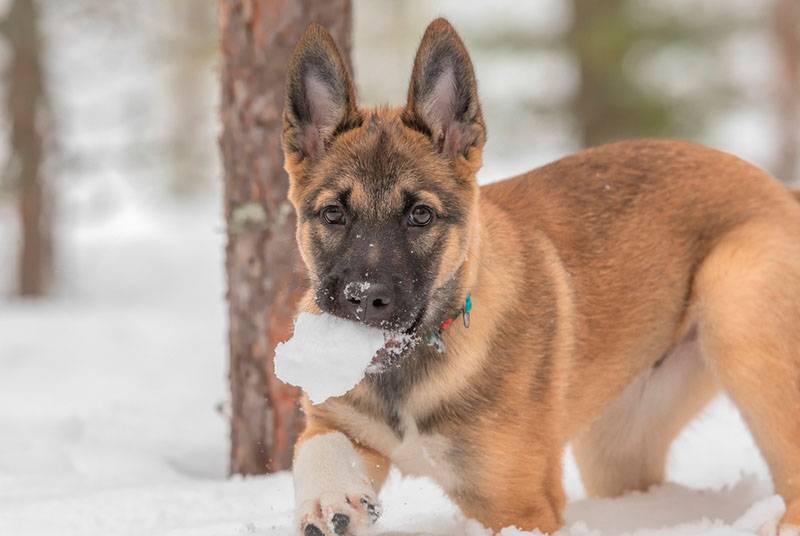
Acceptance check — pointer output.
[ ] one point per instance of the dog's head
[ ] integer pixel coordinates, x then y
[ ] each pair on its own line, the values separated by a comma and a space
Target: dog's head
385, 198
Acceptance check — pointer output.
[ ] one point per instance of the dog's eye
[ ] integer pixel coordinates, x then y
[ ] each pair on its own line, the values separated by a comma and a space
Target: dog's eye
333, 215
420, 216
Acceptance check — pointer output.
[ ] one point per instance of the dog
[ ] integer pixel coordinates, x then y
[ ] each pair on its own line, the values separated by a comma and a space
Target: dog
601, 300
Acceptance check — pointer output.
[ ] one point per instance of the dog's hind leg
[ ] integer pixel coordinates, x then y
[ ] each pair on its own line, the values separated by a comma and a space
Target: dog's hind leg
748, 305
626, 448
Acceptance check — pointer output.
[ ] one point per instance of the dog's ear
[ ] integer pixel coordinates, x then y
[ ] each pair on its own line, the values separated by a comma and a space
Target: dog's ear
320, 99
443, 93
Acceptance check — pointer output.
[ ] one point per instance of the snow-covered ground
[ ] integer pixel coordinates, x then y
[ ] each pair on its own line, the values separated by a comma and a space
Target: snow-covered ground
112, 413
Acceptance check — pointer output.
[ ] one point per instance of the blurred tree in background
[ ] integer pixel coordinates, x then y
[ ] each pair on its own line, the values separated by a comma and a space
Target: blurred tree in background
188, 35
611, 40
27, 110
786, 27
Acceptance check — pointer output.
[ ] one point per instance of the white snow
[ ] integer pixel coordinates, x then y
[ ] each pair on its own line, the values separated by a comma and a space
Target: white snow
112, 416
326, 356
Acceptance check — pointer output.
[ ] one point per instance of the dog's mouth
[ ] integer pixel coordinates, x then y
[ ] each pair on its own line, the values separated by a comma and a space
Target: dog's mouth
398, 344
413, 327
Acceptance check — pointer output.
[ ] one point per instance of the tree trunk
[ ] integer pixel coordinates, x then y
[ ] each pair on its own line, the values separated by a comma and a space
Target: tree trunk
190, 41
265, 275
25, 107
600, 103
610, 105
786, 24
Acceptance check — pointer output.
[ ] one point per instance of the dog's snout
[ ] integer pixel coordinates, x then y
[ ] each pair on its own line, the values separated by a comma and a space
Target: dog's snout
369, 301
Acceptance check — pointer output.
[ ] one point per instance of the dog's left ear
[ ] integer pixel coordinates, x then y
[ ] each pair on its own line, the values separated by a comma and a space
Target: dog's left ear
443, 94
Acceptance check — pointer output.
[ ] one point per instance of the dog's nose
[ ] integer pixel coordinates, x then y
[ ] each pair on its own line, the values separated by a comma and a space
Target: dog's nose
368, 301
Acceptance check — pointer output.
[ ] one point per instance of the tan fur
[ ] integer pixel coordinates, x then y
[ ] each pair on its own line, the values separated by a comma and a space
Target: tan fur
376, 464
615, 291
749, 309
626, 448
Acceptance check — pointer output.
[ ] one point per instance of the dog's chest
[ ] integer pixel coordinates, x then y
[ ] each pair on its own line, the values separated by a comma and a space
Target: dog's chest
425, 455
413, 452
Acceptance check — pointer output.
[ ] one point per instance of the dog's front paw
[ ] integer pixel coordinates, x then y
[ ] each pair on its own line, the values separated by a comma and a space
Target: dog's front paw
338, 514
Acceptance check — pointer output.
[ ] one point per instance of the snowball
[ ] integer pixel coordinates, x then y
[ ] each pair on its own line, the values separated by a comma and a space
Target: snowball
327, 356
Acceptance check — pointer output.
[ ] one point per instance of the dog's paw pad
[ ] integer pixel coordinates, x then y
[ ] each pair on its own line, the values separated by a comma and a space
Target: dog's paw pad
339, 523
312, 530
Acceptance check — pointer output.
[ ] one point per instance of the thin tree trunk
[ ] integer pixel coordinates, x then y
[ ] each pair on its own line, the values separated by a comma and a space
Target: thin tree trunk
26, 105
265, 276
190, 41
786, 24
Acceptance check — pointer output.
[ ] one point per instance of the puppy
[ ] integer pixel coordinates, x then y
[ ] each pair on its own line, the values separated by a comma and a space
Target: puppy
602, 299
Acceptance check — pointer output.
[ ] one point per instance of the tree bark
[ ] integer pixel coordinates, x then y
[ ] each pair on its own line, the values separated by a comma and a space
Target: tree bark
786, 24
25, 103
265, 275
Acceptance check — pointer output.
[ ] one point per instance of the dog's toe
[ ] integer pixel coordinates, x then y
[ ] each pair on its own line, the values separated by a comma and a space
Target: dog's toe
340, 522
338, 514
312, 530
373, 509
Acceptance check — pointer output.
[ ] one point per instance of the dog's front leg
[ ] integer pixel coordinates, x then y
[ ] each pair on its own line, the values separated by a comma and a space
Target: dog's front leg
336, 484
519, 485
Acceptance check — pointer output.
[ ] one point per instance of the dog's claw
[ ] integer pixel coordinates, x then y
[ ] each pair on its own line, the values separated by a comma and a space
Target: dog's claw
312, 530
373, 510
340, 523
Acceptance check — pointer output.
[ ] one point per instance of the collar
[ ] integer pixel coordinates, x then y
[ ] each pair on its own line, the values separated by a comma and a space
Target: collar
464, 312
435, 338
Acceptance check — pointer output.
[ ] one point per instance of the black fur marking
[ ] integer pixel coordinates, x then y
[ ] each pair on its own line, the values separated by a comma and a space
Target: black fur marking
393, 384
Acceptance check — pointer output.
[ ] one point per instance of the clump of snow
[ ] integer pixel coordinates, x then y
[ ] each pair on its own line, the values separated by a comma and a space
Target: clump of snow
327, 356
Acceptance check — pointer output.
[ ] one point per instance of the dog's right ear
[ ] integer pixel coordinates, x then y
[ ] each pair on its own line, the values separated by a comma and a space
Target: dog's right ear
320, 99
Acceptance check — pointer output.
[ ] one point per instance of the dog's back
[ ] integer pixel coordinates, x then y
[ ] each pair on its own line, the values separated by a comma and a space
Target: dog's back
632, 222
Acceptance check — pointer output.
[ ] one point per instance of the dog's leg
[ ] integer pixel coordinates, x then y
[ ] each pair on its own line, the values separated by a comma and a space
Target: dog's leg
748, 297
336, 483
627, 447
519, 482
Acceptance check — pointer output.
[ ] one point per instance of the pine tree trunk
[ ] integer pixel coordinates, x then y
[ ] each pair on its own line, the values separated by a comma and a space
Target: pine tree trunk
265, 276
787, 36
25, 102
